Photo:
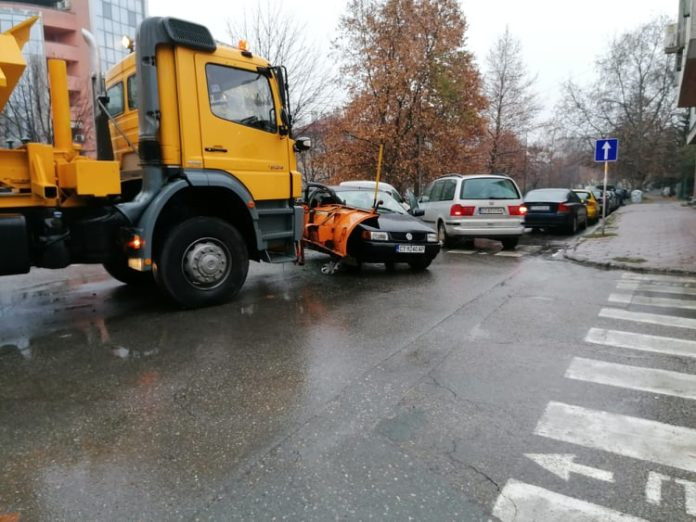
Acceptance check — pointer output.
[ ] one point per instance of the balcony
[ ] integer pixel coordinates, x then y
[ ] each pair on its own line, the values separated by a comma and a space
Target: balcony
687, 83
76, 84
67, 52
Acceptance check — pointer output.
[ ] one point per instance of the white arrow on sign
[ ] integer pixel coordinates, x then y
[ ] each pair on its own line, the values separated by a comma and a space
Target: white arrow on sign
606, 148
562, 465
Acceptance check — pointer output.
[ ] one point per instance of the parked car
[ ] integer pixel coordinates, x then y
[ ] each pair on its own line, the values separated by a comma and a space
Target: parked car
553, 208
484, 205
599, 196
590, 201
613, 197
385, 187
384, 234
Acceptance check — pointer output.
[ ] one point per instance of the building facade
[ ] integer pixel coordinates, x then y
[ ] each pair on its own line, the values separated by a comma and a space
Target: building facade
680, 40
61, 26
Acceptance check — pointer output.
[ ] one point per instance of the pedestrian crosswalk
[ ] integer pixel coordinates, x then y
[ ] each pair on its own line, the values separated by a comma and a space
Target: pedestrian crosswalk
632, 309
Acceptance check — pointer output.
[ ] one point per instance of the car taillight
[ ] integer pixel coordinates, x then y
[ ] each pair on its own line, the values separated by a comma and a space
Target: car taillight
459, 210
563, 209
517, 210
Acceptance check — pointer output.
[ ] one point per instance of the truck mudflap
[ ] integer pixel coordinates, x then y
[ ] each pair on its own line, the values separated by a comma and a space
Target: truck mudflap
14, 254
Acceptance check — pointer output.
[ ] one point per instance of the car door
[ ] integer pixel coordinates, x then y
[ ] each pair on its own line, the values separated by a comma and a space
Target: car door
240, 131
426, 204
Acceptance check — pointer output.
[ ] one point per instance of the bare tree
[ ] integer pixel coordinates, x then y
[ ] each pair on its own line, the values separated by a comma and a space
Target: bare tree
27, 115
632, 98
513, 105
278, 37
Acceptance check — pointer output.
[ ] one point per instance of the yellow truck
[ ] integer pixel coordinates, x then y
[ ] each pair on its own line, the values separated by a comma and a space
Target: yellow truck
197, 176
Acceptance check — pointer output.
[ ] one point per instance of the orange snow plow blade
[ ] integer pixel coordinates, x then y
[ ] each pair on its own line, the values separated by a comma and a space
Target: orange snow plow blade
328, 227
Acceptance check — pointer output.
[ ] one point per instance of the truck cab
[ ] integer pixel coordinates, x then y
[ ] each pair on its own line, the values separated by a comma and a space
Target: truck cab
214, 141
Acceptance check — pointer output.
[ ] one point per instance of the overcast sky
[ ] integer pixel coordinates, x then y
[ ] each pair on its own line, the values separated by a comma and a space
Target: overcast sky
560, 39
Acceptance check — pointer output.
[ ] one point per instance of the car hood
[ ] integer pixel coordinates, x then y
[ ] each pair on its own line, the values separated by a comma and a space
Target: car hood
399, 223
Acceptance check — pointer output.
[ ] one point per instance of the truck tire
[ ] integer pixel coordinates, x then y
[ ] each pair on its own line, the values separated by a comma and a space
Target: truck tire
203, 261
118, 269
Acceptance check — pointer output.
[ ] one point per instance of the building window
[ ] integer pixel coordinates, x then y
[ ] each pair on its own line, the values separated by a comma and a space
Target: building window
107, 11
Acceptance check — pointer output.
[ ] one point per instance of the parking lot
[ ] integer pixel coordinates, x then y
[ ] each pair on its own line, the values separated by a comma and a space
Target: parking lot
383, 394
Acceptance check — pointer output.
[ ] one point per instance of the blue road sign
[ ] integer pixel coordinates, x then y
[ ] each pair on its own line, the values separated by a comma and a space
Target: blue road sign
606, 150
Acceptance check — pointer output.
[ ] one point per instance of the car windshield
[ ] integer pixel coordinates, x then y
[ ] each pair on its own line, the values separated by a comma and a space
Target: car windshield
489, 188
547, 195
365, 199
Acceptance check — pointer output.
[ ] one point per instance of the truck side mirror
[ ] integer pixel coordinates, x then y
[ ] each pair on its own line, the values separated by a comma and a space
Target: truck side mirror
303, 143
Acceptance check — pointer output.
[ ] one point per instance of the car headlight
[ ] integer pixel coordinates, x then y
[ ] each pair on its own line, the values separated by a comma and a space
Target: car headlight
432, 238
370, 235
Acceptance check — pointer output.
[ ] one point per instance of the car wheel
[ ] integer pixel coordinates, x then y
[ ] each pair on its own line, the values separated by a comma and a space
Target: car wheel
118, 269
584, 223
203, 261
442, 235
509, 243
418, 265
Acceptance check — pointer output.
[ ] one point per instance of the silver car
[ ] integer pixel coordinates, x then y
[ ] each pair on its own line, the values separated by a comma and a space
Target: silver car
481, 205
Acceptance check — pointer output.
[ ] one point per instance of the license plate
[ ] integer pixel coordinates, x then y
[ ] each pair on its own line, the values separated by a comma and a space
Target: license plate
410, 249
540, 207
490, 210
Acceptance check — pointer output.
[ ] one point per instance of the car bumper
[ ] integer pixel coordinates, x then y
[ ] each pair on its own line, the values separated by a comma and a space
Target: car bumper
548, 221
485, 228
385, 252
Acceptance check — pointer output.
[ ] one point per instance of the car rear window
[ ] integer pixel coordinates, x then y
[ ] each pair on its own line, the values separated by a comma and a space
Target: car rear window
489, 188
583, 195
547, 195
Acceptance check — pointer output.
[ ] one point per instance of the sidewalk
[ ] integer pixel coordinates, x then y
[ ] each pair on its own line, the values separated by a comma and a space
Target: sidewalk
656, 236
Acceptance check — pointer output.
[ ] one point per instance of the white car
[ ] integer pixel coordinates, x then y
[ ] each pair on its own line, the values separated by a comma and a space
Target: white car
481, 205
385, 187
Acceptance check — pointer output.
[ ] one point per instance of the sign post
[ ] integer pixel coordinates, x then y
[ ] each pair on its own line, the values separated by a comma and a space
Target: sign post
605, 151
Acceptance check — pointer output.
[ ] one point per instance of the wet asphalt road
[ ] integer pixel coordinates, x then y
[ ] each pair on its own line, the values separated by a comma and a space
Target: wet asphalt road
380, 395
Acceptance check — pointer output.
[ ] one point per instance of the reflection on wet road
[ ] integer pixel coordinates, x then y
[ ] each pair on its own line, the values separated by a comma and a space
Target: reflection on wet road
114, 405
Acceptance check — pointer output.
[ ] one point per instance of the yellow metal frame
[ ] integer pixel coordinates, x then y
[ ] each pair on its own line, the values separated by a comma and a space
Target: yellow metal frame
40, 175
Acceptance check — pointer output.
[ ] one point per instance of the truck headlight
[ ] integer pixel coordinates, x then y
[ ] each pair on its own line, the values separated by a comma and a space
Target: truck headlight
432, 238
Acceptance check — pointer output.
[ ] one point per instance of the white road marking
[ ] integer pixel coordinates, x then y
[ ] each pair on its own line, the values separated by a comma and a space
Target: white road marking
653, 487
522, 502
633, 377
467, 252
655, 277
655, 288
621, 298
642, 342
689, 495
509, 254
641, 317
562, 465
620, 434
663, 302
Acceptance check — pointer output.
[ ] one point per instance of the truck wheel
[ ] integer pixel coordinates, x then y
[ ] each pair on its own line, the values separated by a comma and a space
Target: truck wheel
118, 269
203, 261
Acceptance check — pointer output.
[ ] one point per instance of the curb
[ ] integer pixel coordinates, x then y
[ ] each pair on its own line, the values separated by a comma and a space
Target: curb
612, 265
